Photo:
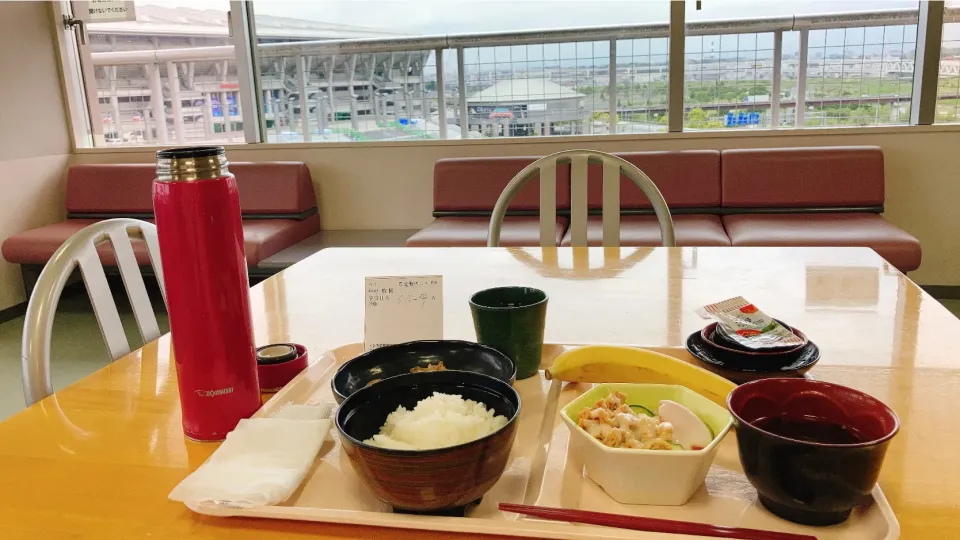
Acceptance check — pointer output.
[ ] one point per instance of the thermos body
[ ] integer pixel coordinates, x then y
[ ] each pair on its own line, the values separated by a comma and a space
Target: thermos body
197, 209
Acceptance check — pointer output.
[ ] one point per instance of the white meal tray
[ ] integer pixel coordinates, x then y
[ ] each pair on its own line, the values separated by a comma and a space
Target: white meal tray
542, 471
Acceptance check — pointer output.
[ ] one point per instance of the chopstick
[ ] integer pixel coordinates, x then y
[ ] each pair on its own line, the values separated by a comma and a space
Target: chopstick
647, 524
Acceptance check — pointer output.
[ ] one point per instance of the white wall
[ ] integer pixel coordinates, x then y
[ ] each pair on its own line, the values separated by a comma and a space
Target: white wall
34, 137
382, 186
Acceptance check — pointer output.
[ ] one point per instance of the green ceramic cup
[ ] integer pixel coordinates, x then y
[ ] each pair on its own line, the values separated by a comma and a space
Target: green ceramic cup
511, 320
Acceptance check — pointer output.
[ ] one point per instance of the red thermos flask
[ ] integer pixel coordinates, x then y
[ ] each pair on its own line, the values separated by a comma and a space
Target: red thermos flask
197, 206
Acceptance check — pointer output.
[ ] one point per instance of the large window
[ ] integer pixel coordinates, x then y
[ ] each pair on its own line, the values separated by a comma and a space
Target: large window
369, 70
860, 76
558, 84
844, 63
728, 81
948, 90
169, 76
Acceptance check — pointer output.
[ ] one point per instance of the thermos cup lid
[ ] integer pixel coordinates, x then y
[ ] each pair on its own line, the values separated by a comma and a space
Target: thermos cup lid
279, 363
275, 354
189, 152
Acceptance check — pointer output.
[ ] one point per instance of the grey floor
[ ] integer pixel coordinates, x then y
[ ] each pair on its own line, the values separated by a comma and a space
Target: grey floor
78, 347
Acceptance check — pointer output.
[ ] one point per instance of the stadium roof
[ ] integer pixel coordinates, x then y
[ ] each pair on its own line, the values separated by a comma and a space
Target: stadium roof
164, 21
522, 90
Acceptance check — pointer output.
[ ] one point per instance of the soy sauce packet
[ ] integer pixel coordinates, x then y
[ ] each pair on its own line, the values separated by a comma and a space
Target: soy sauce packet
743, 323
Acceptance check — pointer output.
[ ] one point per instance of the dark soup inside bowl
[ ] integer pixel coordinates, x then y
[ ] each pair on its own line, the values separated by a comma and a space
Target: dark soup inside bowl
810, 428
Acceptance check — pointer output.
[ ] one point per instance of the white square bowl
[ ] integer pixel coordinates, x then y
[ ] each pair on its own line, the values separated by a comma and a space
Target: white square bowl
660, 477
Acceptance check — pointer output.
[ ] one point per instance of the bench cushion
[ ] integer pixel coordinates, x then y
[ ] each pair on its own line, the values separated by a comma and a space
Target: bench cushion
475, 184
264, 237
261, 239
803, 177
686, 179
689, 230
277, 187
856, 229
517, 231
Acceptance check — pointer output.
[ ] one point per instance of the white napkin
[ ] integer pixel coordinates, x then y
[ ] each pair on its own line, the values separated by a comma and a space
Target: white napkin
312, 410
262, 461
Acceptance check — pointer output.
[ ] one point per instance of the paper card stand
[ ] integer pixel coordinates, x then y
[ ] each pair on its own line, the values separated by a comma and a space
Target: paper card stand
399, 309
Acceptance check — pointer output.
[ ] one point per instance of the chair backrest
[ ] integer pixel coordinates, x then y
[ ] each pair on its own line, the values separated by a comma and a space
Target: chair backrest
81, 250
579, 160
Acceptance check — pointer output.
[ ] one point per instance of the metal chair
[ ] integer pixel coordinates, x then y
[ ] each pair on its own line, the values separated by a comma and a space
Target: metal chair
613, 166
81, 250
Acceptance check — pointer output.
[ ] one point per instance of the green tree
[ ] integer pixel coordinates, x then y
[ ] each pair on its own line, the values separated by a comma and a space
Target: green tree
602, 117
861, 117
701, 119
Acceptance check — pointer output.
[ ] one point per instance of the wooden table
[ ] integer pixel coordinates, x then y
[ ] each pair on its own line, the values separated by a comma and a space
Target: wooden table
97, 460
329, 239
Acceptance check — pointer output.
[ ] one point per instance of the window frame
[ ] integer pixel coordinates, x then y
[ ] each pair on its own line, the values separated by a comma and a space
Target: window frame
243, 32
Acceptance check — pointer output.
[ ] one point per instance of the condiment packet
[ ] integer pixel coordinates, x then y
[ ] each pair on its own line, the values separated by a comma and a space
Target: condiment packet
746, 325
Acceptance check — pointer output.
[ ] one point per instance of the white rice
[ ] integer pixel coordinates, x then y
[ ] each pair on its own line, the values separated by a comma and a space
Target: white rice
438, 421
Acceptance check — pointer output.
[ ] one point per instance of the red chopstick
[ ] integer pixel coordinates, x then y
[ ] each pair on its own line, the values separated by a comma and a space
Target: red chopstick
667, 526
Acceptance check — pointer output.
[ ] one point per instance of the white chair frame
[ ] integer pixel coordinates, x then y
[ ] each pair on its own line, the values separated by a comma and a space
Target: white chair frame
81, 250
613, 166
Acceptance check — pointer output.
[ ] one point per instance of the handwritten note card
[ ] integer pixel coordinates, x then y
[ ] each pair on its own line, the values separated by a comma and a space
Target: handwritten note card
402, 308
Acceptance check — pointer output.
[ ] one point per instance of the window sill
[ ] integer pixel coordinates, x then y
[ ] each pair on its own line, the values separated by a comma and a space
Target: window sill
593, 139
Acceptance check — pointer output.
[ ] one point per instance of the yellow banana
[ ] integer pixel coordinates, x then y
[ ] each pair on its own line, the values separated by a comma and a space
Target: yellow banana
598, 363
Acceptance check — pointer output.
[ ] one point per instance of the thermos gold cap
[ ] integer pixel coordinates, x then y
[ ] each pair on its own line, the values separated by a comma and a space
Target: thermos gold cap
191, 164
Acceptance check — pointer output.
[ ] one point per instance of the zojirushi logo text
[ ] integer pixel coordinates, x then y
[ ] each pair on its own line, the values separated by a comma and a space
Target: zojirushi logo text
215, 393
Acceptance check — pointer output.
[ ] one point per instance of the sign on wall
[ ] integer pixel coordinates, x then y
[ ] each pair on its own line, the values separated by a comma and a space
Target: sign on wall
98, 11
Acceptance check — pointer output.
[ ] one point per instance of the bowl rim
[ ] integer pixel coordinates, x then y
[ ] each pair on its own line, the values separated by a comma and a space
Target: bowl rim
718, 437
462, 342
474, 304
431, 451
873, 442
705, 335
781, 372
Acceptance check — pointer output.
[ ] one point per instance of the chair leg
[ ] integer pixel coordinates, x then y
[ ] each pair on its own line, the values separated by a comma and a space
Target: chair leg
30, 273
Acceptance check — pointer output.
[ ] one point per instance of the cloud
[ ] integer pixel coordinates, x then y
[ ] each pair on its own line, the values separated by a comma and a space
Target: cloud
464, 16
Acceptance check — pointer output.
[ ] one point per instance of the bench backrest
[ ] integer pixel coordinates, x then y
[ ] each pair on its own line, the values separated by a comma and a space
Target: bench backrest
277, 189
687, 180
827, 178
471, 186
835, 179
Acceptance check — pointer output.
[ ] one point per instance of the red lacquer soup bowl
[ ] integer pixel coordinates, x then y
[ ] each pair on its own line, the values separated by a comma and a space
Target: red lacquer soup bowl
812, 449
427, 480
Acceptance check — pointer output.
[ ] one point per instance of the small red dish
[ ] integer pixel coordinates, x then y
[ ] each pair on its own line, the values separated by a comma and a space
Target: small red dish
709, 332
275, 368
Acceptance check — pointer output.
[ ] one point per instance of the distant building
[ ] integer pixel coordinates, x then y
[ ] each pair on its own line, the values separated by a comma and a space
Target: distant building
525, 107
391, 83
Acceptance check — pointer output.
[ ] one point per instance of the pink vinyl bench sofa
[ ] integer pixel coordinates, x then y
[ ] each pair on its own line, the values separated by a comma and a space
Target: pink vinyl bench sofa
821, 196
277, 202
